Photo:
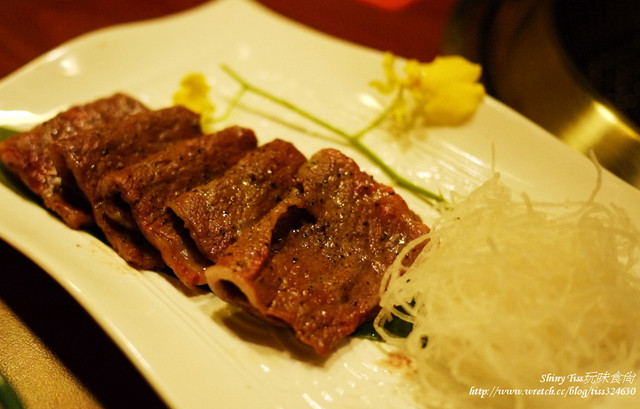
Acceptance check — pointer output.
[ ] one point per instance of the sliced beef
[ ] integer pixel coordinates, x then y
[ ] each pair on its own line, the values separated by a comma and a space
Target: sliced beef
90, 155
87, 157
316, 260
27, 154
216, 213
133, 201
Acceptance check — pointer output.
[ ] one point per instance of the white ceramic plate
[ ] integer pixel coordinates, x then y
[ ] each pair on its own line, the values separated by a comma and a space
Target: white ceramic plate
186, 343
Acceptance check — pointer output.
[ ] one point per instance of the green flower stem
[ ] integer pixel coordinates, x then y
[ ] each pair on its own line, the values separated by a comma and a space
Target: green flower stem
381, 117
232, 105
354, 139
283, 102
400, 180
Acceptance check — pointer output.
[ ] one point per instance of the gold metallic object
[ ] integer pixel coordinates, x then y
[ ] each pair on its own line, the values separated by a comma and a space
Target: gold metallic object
526, 67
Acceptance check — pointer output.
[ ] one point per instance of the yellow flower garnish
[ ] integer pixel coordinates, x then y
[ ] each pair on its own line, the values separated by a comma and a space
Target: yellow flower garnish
443, 92
392, 80
194, 95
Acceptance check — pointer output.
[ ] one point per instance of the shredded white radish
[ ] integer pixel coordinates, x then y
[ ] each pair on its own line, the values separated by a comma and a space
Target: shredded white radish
508, 291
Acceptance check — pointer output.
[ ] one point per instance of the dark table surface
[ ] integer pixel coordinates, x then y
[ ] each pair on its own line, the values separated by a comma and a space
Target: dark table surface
51, 350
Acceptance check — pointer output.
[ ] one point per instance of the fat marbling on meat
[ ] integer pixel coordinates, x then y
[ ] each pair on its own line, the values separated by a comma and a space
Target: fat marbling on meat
316, 260
28, 154
218, 212
88, 157
133, 200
